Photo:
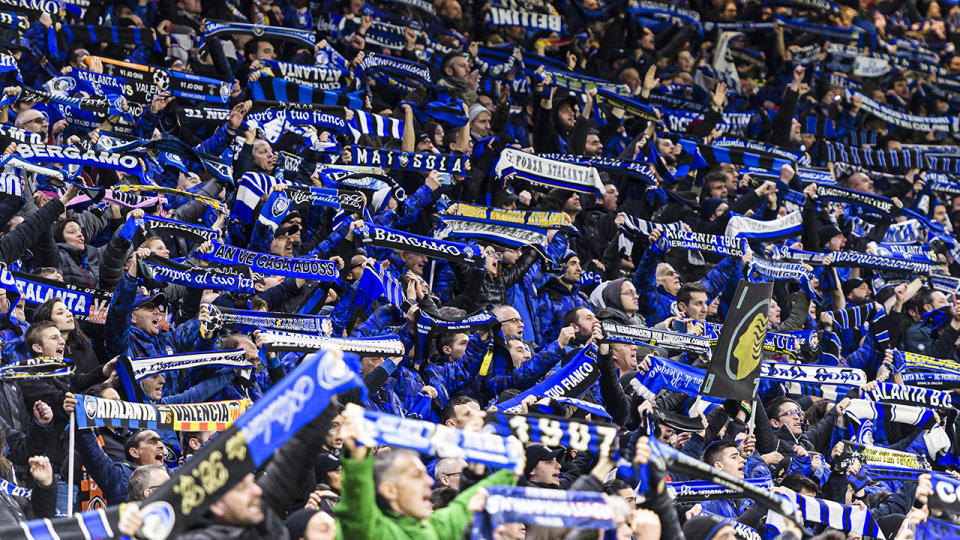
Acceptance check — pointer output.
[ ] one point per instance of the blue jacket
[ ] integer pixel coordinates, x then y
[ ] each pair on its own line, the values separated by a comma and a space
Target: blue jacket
524, 376
657, 305
113, 477
554, 300
451, 377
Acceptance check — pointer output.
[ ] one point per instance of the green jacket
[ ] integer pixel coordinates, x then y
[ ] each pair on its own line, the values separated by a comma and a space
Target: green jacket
359, 517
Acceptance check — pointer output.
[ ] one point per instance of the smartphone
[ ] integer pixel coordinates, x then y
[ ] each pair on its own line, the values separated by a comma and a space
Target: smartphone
680, 326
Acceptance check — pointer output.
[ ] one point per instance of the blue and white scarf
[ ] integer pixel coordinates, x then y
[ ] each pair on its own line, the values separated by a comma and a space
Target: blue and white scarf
763, 270
542, 507
383, 237
913, 122
199, 277
375, 124
436, 440
273, 265
305, 38
324, 78
844, 517
41, 153
580, 435
571, 380
377, 282
408, 161
388, 345
783, 227
378, 63
273, 89
668, 12
910, 395
538, 21
701, 490
539, 170
498, 232
694, 241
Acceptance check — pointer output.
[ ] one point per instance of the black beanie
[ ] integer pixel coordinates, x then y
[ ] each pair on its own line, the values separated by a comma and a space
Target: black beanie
702, 527
296, 522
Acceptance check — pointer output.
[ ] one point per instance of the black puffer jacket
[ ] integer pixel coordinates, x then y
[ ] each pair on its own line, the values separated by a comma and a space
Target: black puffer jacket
481, 290
78, 267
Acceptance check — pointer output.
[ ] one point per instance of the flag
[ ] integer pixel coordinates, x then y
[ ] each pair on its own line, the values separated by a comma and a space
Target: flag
735, 365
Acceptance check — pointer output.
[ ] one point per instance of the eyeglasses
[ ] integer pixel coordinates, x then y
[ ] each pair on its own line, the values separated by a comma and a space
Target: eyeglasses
513, 320
792, 412
40, 120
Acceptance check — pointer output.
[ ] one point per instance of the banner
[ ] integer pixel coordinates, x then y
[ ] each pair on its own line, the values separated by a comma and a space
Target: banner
437, 439
209, 416
735, 365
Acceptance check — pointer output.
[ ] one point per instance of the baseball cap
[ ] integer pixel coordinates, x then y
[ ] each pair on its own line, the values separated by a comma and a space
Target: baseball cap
537, 453
157, 299
851, 284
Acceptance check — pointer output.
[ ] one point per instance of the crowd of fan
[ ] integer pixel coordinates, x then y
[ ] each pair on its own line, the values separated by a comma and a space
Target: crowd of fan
323, 484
